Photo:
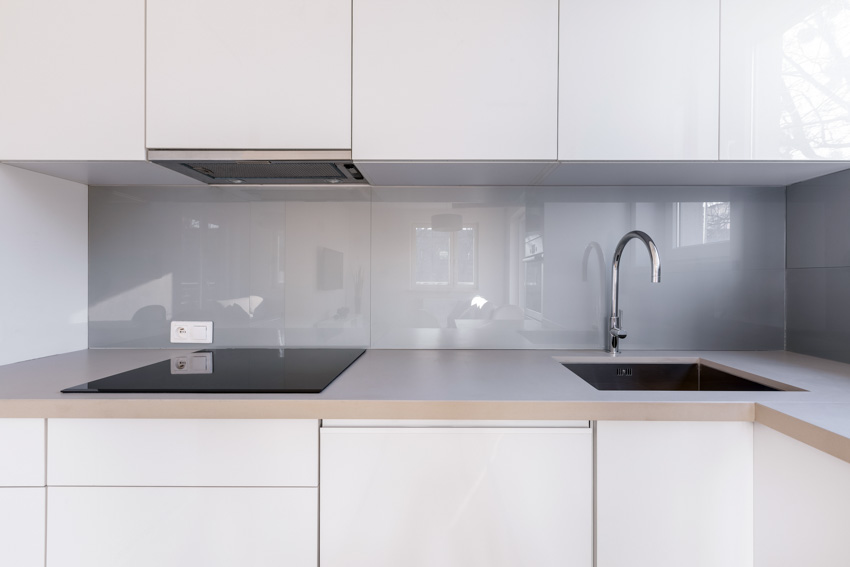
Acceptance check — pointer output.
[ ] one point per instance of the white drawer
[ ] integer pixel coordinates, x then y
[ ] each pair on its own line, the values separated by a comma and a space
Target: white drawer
21, 452
182, 527
182, 452
22, 526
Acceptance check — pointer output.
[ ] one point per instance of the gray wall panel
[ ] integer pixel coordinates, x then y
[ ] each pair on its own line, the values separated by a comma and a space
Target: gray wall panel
819, 267
251, 260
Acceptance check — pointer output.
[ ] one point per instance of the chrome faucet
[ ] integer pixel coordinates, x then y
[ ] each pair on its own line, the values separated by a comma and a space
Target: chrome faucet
615, 331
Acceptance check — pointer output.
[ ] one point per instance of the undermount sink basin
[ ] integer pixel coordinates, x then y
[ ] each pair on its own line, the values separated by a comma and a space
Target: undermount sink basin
664, 376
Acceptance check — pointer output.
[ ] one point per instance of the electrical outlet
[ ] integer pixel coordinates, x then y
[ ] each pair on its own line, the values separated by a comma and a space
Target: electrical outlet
191, 331
195, 363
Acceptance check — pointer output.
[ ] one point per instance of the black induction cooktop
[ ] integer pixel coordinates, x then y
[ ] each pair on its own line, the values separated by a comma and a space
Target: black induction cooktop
236, 370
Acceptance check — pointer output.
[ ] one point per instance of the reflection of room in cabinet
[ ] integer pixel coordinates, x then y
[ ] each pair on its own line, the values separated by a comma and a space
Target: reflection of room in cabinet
784, 93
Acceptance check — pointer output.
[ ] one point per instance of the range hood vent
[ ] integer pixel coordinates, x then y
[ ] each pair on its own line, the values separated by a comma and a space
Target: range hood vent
262, 167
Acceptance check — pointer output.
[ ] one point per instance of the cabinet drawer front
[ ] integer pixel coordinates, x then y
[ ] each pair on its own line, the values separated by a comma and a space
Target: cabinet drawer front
674, 493
456, 497
181, 527
21, 452
182, 452
22, 527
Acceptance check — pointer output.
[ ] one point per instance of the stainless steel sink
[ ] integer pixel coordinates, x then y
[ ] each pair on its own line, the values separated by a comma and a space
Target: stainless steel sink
665, 376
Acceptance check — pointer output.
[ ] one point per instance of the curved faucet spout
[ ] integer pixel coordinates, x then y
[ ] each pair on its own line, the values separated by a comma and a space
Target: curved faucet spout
616, 331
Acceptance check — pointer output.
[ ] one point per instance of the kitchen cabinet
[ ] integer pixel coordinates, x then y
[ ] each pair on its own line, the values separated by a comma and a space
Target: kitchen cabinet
802, 503
268, 75
22, 492
21, 452
175, 492
445, 80
456, 496
73, 80
638, 81
674, 493
176, 527
183, 452
22, 526
783, 80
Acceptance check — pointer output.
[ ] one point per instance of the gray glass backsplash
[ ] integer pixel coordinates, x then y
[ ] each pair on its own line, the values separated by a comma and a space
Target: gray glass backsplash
819, 267
437, 267
268, 267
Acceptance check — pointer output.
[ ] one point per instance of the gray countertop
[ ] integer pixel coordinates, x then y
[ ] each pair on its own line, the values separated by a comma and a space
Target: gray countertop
460, 384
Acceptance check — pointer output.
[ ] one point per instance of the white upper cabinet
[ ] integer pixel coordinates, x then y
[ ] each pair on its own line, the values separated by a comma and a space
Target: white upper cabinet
784, 87
448, 80
73, 80
638, 80
257, 74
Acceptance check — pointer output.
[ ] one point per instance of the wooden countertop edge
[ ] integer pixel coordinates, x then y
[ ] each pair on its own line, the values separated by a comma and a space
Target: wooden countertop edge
822, 439
378, 409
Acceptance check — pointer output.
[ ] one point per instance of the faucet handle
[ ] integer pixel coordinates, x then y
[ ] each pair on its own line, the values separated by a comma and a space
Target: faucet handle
619, 333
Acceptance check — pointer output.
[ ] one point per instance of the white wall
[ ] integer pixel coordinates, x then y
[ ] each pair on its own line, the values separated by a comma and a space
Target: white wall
44, 259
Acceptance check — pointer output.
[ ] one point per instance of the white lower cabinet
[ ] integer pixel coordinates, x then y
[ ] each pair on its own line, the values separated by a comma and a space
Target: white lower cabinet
802, 503
22, 492
445, 497
183, 452
22, 527
21, 452
181, 527
179, 493
674, 493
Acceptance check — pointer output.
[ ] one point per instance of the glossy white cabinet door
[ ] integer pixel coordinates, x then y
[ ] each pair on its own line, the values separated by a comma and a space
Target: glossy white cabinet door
802, 503
784, 88
21, 452
456, 497
674, 493
260, 74
181, 527
183, 452
639, 80
73, 80
22, 527
448, 80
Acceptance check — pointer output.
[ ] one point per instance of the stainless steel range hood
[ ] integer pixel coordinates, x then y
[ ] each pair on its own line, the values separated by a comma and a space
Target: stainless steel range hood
262, 167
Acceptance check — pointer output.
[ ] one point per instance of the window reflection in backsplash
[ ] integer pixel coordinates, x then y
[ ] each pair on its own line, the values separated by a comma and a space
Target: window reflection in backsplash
543, 267
436, 267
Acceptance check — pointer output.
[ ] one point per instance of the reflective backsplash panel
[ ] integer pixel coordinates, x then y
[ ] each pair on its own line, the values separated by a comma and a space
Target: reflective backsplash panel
437, 267
268, 267
819, 267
